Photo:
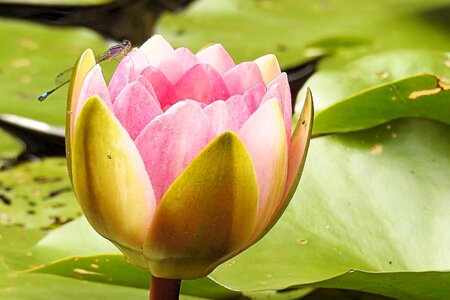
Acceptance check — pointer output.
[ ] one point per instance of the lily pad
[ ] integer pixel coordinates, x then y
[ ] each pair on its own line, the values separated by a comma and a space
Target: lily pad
380, 181
296, 30
422, 96
18, 251
75, 250
9, 147
379, 88
15, 249
37, 195
374, 70
110, 269
36, 286
361, 199
32, 56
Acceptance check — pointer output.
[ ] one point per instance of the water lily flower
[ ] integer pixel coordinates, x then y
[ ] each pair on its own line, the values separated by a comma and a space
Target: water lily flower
184, 160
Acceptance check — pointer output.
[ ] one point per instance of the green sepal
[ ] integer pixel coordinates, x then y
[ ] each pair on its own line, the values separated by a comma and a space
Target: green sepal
207, 215
82, 67
110, 180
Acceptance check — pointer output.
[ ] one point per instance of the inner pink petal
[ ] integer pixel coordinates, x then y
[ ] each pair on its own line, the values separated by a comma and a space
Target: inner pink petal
123, 75
139, 60
170, 142
93, 84
265, 140
159, 82
253, 96
135, 107
279, 88
201, 83
241, 77
178, 63
156, 49
238, 108
147, 85
221, 118
217, 57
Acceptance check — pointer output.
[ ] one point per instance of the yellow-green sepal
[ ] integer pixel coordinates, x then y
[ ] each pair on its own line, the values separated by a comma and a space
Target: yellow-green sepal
207, 214
297, 154
299, 147
82, 67
110, 180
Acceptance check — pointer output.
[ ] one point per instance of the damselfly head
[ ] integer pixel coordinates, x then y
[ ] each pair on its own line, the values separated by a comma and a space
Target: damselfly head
126, 44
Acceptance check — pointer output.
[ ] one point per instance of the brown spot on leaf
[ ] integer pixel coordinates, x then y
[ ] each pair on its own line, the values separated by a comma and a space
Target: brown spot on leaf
43, 179
383, 74
29, 44
444, 85
57, 192
447, 62
5, 199
376, 149
20, 63
86, 272
441, 86
418, 94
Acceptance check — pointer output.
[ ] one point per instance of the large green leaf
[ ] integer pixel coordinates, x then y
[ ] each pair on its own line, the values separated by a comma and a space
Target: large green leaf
110, 269
9, 148
376, 69
76, 238
31, 57
296, 29
379, 88
358, 201
376, 201
37, 195
422, 96
16, 249
41, 286
22, 249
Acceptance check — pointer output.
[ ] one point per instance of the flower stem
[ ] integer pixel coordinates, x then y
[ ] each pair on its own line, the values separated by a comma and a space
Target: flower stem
165, 289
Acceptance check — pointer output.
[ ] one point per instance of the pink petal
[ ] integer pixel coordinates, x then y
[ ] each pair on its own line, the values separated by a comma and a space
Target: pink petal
156, 49
221, 118
279, 88
123, 75
135, 107
159, 82
130, 66
265, 139
269, 67
297, 154
170, 142
254, 95
217, 57
175, 66
241, 77
201, 83
238, 108
139, 60
148, 86
93, 84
